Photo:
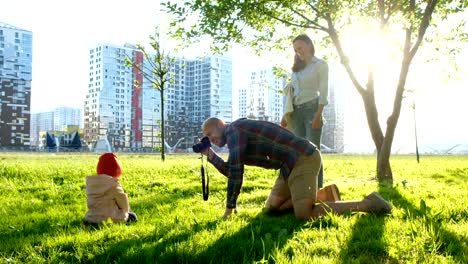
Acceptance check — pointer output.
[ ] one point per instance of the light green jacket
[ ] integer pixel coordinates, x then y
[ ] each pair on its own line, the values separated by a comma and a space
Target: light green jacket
311, 82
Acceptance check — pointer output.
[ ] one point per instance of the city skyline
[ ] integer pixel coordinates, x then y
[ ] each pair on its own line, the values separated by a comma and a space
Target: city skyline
62, 40
123, 107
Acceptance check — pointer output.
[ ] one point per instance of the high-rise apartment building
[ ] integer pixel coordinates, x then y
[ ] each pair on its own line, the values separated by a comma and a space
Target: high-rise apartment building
262, 99
15, 85
333, 114
122, 106
202, 88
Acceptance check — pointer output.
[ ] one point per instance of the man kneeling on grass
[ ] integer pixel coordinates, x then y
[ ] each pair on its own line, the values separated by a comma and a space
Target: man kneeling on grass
267, 145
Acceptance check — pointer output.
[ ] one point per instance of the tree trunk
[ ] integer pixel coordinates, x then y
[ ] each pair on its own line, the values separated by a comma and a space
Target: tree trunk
384, 171
373, 119
163, 150
382, 144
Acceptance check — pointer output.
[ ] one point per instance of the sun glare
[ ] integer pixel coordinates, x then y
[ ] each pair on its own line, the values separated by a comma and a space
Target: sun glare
367, 47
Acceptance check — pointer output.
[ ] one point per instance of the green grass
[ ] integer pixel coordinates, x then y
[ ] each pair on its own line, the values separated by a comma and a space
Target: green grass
43, 202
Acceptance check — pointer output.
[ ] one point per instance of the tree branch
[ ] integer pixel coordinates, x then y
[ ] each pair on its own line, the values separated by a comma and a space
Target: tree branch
158, 83
381, 7
370, 80
309, 20
423, 26
320, 14
391, 9
148, 57
405, 64
344, 59
291, 23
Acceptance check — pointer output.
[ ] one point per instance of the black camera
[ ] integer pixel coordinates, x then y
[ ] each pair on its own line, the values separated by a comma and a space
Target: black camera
204, 144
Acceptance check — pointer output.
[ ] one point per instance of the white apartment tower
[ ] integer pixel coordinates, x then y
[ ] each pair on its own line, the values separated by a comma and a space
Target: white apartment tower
120, 104
262, 99
67, 116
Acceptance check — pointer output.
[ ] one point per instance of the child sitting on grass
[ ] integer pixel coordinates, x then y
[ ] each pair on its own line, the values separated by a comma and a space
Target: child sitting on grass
105, 196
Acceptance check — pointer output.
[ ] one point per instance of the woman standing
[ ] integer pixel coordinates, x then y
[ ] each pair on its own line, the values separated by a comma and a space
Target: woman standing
306, 94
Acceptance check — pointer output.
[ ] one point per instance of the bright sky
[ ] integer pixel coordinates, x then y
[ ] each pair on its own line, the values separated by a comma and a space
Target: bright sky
64, 31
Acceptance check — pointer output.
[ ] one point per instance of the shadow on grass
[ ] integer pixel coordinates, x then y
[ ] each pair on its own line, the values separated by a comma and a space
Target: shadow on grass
366, 243
32, 233
20, 233
256, 241
442, 241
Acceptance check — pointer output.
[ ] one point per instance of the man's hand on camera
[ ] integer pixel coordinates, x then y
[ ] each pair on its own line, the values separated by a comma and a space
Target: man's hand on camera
206, 151
209, 153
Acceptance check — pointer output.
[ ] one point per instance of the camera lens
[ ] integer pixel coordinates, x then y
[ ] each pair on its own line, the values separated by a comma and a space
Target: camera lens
204, 143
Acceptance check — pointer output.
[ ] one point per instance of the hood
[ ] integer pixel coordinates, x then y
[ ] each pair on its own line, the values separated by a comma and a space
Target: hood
109, 164
100, 183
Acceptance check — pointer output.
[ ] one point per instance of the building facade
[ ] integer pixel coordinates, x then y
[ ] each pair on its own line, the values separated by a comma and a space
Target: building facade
15, 85
120, 105
40, 122
67, 116
202, 88
123, 106
333, 115
60, 119
262, 99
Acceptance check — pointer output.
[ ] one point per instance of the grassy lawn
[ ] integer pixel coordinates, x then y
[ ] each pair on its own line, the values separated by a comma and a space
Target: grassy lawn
43, 202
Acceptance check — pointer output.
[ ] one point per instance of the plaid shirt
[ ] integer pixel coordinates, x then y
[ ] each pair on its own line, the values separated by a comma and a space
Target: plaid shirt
258, 143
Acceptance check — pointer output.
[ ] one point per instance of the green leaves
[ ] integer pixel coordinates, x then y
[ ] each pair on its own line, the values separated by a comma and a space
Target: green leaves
268, 24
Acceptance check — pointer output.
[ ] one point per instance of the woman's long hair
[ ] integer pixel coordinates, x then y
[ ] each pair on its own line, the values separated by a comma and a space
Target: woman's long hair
307, 40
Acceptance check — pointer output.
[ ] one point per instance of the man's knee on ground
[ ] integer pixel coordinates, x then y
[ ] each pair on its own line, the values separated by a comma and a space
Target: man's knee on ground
274, 202
303, 209
271, 208
302, 215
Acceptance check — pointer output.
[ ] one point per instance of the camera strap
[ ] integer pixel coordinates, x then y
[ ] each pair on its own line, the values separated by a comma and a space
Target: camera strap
205, 187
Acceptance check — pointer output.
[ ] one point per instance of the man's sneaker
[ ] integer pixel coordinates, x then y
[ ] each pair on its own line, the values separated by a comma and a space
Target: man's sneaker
335, 192
377, 204
329, 193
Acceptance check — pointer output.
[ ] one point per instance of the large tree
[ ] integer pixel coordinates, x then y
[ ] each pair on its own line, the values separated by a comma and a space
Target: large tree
261, 24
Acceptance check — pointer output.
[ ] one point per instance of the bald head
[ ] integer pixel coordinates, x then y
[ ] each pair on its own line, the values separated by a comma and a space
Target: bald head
213, 128
212, 122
